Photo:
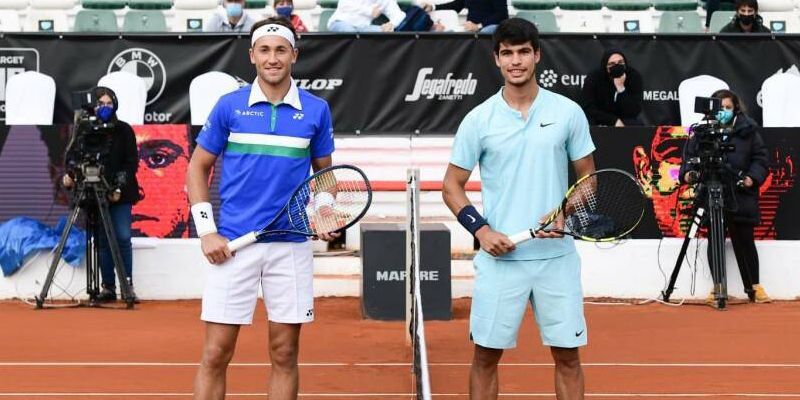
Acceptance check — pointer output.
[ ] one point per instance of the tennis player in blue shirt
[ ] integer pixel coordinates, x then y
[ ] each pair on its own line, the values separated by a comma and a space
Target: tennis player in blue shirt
269, 136
523, 139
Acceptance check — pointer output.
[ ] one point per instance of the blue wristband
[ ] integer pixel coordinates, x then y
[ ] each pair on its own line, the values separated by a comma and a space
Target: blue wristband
471, 219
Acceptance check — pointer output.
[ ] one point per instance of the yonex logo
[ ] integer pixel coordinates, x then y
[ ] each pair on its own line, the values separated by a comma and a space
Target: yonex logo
310, 312
203, 215
272, 29
298, 116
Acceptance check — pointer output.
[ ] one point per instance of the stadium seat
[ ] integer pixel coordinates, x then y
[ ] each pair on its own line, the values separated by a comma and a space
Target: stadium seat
191, 14
26, 89
675, 5
9, 21
53, 4
104, 4
46, 21
534, 4
779, 100
781, 22
131, 92
328, 3
323, 19
449, 19
255, 4
96, 21
544, 20
628, 5
719, 19
702, 86
150, 4
775, 5
13, 4
582, 21
144, 21
581, 5
680, 22
205, 90
631, 22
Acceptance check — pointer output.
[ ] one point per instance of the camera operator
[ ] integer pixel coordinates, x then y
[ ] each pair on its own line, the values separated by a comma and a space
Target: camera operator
120, 165
746, 171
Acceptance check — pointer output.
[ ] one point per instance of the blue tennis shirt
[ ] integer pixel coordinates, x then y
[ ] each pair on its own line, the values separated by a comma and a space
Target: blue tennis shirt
266, 153
523, 164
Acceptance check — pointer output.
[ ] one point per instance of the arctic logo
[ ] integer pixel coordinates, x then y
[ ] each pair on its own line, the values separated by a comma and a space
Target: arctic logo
446, 89
401, 276
548, 78
146, 65
248, 113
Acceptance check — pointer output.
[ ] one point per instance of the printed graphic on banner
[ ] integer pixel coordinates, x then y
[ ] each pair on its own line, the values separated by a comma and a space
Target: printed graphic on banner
658, 167
163, 210
144, 64
447, 88
549, 78
14, 61
317, 85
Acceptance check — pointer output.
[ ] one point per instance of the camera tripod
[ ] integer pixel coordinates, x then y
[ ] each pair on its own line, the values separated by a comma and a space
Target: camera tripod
90, 194
708, 195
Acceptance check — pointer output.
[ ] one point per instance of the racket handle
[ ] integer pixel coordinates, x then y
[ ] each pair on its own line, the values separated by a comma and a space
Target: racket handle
242, 241
523, 236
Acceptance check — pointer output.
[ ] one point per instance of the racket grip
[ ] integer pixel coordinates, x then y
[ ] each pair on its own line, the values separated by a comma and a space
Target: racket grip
523, 236
242, 241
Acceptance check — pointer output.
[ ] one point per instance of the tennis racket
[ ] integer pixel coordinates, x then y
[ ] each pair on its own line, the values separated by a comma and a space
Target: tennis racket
603, 206
331, 200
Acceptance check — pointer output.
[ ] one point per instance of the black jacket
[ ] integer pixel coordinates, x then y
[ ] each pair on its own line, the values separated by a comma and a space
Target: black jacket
597, 98
484, 12
749, 158
734, 27
123, 156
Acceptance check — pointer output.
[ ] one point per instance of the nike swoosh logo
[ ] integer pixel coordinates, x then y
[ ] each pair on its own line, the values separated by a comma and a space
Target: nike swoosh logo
578, 333
543, 125
471, 218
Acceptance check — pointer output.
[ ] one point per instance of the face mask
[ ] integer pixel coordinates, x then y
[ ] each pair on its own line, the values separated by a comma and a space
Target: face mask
747, 19
104, 113
617, 70
724, 116
284, 11
234, 9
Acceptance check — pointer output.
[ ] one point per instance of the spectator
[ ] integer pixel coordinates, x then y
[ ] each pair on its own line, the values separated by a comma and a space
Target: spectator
122, 159
285, 9
233, 20
612, 94
357, 16
746, 20
482, 15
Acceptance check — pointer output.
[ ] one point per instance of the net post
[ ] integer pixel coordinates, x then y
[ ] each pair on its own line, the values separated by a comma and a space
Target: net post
412, 236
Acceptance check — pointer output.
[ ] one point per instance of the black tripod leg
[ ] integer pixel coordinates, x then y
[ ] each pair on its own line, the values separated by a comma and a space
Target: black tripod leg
111, 237
717, 261
62, 242
697, 220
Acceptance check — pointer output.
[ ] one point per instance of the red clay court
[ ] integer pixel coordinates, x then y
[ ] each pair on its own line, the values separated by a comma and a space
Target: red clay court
635, 352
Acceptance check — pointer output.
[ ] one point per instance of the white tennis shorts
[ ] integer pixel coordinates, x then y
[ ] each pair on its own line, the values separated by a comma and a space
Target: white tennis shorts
285, 272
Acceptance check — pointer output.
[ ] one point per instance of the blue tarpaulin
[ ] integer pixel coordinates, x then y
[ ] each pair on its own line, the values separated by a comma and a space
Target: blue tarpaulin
21, 236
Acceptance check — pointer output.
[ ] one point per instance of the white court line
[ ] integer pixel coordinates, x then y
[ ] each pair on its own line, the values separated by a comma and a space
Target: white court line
260, 365
373, 395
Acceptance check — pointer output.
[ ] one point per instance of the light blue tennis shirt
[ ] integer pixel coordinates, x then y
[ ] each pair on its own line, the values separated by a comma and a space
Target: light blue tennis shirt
266, 152
523, 164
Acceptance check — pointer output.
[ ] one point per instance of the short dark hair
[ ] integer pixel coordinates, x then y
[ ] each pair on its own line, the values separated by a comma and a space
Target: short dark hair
738, 107
275, 20
745, 3
515, 31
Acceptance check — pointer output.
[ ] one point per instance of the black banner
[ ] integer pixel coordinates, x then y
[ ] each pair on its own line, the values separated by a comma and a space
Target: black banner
388, 84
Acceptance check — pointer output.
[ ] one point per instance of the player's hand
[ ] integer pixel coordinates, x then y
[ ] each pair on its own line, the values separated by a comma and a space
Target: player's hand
215, 248
387, 27
67, 181
376, 12
691, 177
748, 182
115, 196
470, 26
425, 6
493, 242
619, 124
619, 83
328, 237
558, 224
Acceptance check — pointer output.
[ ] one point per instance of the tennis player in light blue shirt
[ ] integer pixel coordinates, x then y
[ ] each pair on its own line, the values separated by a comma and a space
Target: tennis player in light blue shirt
523, 139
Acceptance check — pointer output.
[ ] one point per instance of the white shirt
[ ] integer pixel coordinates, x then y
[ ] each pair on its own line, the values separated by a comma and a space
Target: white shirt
219, 22
359, 12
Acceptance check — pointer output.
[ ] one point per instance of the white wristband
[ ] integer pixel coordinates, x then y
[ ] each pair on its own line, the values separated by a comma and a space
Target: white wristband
323, 199
203, 217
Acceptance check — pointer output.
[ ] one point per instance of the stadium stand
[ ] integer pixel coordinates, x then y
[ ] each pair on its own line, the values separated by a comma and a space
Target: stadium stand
48, 15
719, 19
95, 20
680, 22
545, 20
191, 14
144, 21
30, 99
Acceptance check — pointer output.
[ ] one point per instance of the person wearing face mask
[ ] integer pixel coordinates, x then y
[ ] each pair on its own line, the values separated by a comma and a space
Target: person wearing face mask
285, 9
612, 93
748, 171
232, 19
746, 20
122, 159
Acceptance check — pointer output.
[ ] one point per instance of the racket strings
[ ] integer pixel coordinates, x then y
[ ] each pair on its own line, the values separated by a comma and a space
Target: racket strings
330, 201
605, 205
